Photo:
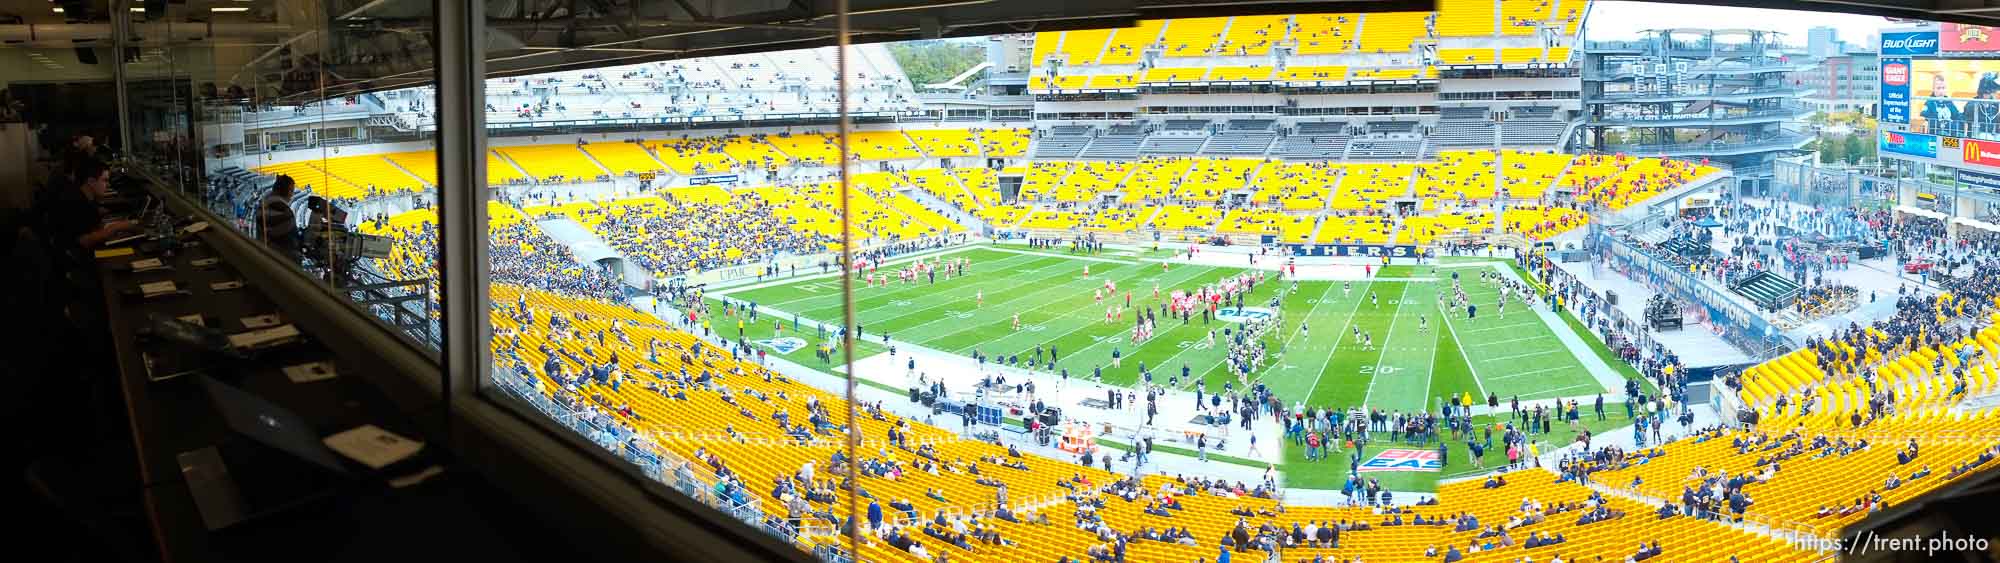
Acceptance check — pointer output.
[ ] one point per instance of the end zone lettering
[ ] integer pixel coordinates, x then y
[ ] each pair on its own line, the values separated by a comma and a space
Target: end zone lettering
1403, 460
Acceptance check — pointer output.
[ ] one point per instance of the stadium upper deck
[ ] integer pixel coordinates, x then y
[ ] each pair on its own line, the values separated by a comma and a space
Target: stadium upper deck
1337, 48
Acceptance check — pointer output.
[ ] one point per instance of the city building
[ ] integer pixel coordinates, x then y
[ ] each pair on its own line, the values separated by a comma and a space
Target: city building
1716, 94
1848, 81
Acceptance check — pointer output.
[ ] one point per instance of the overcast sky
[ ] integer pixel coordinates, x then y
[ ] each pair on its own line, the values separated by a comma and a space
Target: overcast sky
1624, 20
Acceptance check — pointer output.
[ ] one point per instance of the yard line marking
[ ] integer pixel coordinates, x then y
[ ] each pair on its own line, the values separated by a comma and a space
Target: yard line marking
1530, 372
1507, 326
1369, 396
1430, 367
1016, 277
1517, 356
1070, 256
1018, 297
1087, 320
1476, 381
1510, 340
1303, 319
1203, 375
750, 286
863, 293
1338, 337
1568, 387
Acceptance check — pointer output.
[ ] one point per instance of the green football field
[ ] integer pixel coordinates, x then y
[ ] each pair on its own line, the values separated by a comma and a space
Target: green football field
1410, 367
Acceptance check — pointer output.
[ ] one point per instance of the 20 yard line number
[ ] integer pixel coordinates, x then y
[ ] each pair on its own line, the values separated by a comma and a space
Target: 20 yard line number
1381, 370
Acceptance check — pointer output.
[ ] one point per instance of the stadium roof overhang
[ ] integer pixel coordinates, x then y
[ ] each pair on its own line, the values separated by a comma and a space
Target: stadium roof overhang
384, 44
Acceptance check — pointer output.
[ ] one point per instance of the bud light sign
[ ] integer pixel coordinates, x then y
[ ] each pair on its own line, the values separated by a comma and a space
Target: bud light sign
1895, 90
1910, 43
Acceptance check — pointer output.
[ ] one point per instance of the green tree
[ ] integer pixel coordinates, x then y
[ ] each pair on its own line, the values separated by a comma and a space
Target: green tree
1853, 149
1866, 152
937, 60
1830, 150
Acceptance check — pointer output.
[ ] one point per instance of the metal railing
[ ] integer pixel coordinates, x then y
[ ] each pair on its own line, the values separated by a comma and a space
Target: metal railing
640, 450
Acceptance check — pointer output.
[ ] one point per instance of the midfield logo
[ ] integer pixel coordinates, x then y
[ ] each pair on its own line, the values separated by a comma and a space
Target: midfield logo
785, 345
1243, 315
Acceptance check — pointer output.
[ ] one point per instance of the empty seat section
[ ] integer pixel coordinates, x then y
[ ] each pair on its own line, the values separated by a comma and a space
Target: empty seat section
1527, 175
1324, 34
552, 162
1391, 32
1174, 74
1187, 218
1050, 219
1253, 35
1466, 18
1240, 73
1082, 46
1192, 37
1313, 73
1046, 43
1110, 81
1520, 54
1465, 56
1091, 178
1154, 178
1294, 186
1043, 177
1212, 177
624, 158
1370, 186
1128, 43
945, 142
1354, 229
1004, 142
422, 164
810, 148
1115, 220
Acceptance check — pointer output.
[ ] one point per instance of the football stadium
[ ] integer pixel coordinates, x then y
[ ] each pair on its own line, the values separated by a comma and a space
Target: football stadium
1485, 280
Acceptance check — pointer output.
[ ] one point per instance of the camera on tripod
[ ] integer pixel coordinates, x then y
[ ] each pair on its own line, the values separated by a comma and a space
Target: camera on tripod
327, 235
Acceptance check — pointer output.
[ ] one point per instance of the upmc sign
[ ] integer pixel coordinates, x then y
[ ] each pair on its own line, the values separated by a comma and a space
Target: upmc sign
1981, 152
1910, 43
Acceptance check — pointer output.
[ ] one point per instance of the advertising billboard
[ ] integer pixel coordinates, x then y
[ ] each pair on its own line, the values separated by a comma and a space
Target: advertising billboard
1985, 153
1895, 104
1982, 181
1958, 98
1960, 40
1909, 43
1909, 144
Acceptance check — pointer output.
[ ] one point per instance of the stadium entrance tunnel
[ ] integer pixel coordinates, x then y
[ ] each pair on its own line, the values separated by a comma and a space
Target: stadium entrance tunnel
590, 249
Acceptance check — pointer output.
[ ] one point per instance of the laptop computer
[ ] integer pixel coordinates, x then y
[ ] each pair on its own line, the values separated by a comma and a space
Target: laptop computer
277, 463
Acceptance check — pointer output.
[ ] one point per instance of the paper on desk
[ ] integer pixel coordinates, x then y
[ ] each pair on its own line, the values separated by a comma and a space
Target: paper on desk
260, 321
262, 337
310, 372
114, 252
157, 288
372, 446
147, 264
